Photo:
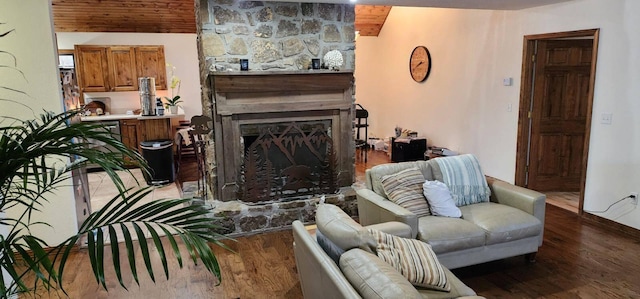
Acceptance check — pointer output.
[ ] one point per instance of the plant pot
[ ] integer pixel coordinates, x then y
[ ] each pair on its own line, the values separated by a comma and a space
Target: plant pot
173, 109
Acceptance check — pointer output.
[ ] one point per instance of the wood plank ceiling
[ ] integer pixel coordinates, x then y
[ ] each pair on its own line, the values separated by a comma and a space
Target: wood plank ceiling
153, 16
370, 19
164, 16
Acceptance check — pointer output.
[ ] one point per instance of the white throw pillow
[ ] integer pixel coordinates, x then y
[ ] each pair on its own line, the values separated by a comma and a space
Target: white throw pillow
440, 200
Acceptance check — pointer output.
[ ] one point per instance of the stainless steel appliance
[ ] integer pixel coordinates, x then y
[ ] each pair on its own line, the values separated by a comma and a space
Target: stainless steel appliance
147, 88
114, 128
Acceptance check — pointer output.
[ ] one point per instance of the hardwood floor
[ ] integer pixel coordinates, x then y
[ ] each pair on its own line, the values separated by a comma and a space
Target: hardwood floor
567, 200
373, 158
578, 259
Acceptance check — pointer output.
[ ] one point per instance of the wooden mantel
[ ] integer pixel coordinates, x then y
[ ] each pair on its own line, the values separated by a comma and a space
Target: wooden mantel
279, 96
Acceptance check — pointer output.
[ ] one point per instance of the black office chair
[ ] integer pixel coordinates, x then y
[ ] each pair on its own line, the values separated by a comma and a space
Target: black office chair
362, 116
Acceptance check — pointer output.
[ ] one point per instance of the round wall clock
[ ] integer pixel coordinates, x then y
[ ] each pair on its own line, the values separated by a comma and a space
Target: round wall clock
420, 64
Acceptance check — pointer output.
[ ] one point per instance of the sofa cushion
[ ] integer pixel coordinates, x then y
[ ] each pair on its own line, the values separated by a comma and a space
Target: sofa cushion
458, 289
413, 259
373, 278
446, 234
405, 189
464, 177
440, 201
344, 232
502, 223
377, 172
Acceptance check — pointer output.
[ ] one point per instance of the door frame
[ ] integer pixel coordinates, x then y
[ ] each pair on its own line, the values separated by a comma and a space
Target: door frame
526, 90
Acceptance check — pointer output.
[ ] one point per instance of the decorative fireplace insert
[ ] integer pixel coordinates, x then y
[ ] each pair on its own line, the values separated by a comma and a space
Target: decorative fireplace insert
283, 161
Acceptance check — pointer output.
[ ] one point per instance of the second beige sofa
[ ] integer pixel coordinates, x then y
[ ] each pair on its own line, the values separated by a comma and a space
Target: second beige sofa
510, 224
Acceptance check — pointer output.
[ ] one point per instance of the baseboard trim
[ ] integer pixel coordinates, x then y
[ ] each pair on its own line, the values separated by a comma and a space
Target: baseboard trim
612, 225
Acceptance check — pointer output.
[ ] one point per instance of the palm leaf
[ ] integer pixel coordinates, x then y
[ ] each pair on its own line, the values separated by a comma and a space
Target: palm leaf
185, 221
34, 162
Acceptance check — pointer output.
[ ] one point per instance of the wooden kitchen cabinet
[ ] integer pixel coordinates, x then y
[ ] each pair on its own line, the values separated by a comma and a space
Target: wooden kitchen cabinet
117, 68
155, 129
131, 133
134, 131
122, 68
150, 63
92, 68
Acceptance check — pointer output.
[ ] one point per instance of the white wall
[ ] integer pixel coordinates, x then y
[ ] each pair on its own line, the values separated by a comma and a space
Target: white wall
179, 50
464, 106
32, 43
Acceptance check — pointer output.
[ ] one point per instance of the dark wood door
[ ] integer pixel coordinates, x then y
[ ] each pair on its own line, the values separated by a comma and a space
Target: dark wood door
559, 114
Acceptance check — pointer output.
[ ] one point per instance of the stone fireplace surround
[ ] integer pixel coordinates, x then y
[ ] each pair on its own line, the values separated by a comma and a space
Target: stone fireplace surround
241, 98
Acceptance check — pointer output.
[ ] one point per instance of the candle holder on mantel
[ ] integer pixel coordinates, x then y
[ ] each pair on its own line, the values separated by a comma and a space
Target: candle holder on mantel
244, 64
315, 63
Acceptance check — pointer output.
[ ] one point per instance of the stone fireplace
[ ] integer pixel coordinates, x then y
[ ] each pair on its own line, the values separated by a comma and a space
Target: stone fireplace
245, 103
278, 95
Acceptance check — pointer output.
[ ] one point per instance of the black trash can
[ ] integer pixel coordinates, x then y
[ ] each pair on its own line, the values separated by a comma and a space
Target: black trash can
159, 156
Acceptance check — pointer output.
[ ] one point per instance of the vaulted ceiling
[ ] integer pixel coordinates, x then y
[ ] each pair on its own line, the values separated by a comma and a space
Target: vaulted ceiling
177, 16
163, 16
370, 19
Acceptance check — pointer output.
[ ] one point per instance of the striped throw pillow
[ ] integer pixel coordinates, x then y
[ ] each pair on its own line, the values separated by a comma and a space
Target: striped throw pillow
414, 259
405, 189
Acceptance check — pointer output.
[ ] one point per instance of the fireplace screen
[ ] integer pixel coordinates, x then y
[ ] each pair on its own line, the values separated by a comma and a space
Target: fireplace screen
283, 161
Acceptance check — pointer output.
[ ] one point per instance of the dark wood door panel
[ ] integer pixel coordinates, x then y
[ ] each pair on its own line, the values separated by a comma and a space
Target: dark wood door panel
559, 115
568, 53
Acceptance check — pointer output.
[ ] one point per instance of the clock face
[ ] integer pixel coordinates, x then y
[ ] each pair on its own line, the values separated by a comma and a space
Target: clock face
420, 64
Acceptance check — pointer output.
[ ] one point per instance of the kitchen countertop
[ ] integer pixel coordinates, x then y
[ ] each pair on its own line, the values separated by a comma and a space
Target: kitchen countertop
128, 116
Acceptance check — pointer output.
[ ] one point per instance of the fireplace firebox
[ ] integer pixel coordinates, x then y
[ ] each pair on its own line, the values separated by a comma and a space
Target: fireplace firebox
287, 160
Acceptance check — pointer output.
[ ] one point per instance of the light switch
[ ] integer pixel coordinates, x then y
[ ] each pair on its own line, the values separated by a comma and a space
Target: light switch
606, 118
507, 81
509, 107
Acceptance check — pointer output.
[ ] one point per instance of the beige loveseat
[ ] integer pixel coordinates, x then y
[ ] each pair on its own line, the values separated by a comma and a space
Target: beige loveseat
358, 273
511, 224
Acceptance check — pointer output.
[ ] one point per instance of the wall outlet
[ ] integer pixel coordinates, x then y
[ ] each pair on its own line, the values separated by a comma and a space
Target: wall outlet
634, 198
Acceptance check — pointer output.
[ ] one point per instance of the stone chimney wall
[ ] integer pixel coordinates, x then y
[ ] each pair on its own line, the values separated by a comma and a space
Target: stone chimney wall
274, 35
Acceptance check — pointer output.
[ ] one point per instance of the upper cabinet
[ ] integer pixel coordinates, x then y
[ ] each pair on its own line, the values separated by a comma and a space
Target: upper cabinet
150, 63
92, 68
117, 68
122, 68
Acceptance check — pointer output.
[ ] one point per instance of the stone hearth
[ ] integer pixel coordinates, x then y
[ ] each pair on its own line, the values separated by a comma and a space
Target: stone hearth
239, 219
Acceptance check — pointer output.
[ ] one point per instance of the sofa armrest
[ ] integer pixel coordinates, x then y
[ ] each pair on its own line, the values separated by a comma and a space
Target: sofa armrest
374, 209
527, 200
395, 228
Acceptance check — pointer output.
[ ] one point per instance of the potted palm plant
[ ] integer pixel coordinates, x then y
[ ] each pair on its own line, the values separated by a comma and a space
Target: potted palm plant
34, 157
